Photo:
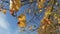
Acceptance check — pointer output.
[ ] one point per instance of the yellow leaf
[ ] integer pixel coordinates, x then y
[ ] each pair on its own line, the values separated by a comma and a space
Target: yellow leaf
40, 3
43, 27
15, 5
22, 24
22, 20
58, 20
4, 11
22, 17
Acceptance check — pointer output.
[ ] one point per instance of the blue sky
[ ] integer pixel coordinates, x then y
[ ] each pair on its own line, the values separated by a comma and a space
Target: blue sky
8, 23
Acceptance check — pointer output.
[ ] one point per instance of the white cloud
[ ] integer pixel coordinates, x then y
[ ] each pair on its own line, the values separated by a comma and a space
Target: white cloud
4, 25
